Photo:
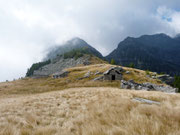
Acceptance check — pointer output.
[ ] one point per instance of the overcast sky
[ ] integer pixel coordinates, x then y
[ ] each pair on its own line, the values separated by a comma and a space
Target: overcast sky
29, 27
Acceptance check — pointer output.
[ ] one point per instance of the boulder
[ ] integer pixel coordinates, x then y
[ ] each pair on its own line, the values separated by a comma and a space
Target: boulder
142, 100
146, 86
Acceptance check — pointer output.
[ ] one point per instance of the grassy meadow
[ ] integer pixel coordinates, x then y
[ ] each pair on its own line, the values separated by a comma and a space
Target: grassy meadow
90, 111
69, 106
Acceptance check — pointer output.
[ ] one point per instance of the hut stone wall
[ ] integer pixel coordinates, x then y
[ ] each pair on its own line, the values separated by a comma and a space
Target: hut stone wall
113, 75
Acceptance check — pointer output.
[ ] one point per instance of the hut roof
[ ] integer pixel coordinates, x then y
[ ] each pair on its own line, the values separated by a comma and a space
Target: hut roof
118, 70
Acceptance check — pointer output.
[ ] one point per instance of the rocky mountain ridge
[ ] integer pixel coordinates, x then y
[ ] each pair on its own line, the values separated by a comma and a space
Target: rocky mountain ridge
158, 53
60, 63
74, 52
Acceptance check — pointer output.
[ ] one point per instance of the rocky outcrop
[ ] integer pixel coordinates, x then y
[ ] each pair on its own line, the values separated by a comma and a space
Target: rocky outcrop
61, 74
153, 52
58, 64
146, 86
166, 79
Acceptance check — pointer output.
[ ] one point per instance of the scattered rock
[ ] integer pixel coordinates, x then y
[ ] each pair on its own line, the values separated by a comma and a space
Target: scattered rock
142, 100
98, 73
146, 86
127, 72
100, 78
61, 74
166, 79
88, 74
153, 77
87, 63
154, 74
130, 85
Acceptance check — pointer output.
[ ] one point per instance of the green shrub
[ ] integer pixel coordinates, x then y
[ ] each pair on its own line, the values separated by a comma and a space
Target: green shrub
36, 66
113, 62
147, 72
177, 82
131, 65
162, 73
77, 53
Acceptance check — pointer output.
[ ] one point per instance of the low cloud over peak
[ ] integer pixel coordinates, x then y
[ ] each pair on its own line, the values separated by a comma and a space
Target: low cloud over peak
28, 28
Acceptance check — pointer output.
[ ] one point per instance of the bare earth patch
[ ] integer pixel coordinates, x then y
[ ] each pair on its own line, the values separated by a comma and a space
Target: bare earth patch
90, 111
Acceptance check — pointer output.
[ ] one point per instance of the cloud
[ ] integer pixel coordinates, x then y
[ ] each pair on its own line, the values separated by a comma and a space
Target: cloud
28, 28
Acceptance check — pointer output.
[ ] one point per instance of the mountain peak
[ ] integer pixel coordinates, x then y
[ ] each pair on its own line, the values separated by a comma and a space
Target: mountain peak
159, 53
74, 43
158, 35
77, 41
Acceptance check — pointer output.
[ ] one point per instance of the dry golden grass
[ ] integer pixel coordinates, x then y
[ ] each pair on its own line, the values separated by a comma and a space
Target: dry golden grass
31, 86
90, 111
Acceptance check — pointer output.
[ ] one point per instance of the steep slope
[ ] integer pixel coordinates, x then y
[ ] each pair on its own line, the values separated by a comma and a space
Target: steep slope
75, 43
61, 62
74, 52
159, 53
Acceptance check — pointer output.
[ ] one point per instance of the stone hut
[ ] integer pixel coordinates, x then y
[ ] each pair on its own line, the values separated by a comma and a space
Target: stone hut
113, 74
61, 74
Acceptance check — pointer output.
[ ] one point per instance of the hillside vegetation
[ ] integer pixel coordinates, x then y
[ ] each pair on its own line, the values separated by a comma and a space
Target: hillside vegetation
177, 82
77, 53
36, 66
73, 44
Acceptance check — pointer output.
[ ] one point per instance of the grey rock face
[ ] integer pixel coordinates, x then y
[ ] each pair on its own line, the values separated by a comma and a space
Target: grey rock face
166, 79
59, 64
146, 86
61, 74
160, 49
